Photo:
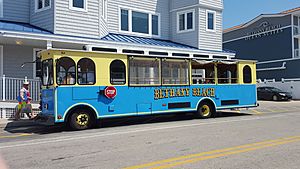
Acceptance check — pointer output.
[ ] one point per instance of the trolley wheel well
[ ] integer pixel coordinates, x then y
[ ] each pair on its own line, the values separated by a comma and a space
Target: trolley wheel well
85, 107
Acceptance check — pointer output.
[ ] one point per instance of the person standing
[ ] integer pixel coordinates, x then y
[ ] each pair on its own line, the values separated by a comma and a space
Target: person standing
24, 100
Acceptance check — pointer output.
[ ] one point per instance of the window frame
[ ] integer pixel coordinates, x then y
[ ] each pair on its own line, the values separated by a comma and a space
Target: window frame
125, 71
56, 72
42, 80
104, 9
150, 14
214, 21
85, 4
36, 9
179, 61
250, 77
95, 71
185, 12
145, 59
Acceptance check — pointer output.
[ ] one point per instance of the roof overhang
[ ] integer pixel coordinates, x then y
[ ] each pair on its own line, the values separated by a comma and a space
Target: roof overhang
89, 42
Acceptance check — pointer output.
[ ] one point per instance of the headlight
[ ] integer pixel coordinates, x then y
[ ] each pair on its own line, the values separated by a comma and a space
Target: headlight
282, 94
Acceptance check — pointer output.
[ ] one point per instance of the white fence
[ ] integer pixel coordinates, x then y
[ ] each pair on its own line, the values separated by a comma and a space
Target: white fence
287, 85
10, 87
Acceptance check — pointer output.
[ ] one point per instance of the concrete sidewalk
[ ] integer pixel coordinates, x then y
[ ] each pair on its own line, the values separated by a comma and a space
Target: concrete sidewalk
7, 123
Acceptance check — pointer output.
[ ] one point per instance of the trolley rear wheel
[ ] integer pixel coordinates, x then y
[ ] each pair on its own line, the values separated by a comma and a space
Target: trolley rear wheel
81, 119
205, 110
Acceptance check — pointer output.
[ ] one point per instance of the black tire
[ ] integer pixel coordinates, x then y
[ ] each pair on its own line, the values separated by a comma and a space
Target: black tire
81, 119
205, 110
275, 98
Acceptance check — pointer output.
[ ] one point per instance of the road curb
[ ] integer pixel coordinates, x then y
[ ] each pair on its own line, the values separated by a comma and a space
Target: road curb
14, 124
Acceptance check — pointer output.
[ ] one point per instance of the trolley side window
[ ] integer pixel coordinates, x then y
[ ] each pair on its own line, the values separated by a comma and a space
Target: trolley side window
175, 72
86, 72
227, 73
65, 71
144, 71
247, 76
117, 72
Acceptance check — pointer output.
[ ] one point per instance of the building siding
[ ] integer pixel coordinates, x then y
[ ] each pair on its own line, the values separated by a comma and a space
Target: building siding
43, 19
283, 21
188, 38
16, 10
273, 47
157, 6
288, 73
77, 23
14, 57
103, 29
177, 4
212, 3
210, 40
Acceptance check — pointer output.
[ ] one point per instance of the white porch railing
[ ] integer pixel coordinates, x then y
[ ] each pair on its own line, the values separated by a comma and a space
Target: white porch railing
10, 87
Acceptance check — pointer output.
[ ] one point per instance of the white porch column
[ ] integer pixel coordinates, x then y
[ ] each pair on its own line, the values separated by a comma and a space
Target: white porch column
3, 88
1, 61
49, 44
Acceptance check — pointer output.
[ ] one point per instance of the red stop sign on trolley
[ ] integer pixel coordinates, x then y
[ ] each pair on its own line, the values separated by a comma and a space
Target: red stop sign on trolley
110, 92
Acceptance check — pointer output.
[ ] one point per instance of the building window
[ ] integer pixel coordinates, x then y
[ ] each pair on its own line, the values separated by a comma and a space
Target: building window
117, 72
175, 72
210, 20
139, 22
144, 71
86, 72
104, 9
186, 21
124, 20
155, 25
41, 5
65, 71
247, 76
80, 5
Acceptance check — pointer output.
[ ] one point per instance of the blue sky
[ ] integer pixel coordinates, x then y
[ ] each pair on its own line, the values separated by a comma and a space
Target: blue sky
241, 11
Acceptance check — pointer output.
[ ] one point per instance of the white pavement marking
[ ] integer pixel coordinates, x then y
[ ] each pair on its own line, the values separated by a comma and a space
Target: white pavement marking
87, 136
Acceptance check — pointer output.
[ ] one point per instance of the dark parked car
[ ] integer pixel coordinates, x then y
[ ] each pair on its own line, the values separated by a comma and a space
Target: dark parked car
272, 93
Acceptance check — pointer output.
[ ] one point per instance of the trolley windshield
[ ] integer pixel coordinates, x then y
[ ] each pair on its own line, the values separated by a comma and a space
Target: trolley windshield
47, 72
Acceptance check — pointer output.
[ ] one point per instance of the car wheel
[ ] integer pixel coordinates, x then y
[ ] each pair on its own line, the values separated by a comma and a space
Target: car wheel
274, 98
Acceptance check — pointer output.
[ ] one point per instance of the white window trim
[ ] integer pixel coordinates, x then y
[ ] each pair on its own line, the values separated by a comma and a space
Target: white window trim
215, 22
104, 9
1, 8
34, 57
185, 24
85, 4
130, 32
43, 8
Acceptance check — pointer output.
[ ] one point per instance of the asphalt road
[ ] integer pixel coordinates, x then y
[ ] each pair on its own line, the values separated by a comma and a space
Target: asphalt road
266, 137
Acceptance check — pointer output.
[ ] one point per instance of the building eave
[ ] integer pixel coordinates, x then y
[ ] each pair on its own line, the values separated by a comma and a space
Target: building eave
108, 44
